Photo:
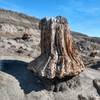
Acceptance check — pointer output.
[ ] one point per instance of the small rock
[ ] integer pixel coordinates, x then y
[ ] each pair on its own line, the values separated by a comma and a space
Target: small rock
11, 42
80, 97
19, 51
26, 36
61, 85
96, 84
93, 54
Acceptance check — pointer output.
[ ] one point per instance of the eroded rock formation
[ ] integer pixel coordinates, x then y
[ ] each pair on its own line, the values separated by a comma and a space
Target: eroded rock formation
58, 56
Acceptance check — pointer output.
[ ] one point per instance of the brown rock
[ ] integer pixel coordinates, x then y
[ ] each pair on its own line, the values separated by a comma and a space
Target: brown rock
93, 54
26, 36
58, 57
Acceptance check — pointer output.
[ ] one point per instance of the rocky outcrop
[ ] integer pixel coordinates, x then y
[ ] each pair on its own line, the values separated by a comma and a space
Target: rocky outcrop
15, 24
96, 83
19, 47
9, 88
80, 92
58, 56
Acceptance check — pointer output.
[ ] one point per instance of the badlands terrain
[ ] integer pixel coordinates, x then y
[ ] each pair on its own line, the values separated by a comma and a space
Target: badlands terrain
20, 44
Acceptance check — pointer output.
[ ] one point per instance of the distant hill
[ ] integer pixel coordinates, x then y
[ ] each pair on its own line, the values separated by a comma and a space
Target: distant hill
14, 23
8, 16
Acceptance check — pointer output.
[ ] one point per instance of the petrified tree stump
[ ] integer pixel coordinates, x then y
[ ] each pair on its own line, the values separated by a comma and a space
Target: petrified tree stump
58, 57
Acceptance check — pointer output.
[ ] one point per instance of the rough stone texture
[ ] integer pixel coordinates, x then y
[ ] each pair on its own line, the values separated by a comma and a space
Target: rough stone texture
9, 88
80, 97
58, 56
13, 23
61, 85
19, 47
73, 89
13, 26
96, 83
83, 92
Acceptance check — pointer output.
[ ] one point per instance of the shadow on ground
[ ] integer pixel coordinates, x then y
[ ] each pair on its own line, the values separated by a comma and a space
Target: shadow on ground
28, 81
96, 66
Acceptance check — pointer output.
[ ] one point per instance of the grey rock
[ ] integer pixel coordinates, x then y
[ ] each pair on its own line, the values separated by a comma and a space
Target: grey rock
9, 88
80, 97
81, 85
96, 84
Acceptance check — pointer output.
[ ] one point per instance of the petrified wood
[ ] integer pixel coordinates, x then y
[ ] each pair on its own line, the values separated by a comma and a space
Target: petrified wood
58, 56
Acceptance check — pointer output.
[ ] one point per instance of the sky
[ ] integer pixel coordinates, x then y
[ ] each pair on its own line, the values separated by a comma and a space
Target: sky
83, 15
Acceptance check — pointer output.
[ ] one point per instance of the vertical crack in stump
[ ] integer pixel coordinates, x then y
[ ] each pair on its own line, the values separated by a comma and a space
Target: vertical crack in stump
58, 57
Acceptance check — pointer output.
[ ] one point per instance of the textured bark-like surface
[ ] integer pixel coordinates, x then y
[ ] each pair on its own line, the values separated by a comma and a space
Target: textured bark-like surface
58, 57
